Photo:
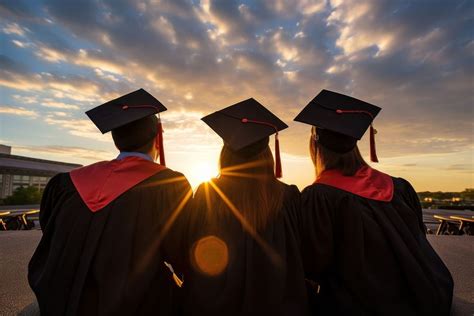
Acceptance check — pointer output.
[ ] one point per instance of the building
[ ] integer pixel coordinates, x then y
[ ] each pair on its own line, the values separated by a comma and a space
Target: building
19, 171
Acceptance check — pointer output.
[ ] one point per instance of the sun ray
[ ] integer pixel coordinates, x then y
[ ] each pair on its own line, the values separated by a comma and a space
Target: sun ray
166, 181
208, 198
173, 216
154, 246
272, 254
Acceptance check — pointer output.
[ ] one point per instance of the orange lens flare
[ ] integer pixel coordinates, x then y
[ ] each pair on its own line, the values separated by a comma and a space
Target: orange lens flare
210, 255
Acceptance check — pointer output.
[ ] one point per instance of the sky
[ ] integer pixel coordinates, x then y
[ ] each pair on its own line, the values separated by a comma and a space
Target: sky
414, 59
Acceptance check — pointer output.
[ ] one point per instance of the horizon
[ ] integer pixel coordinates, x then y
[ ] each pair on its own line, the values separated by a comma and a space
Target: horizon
60, 59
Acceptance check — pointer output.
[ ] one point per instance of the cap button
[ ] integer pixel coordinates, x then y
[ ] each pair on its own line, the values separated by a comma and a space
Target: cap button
244, 120
339, 111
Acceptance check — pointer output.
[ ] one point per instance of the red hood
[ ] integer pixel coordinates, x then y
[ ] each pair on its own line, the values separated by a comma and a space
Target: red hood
367, 182
101, 183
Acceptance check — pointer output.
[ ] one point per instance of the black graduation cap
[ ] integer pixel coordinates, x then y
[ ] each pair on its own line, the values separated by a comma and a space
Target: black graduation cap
341, 120
245, 123
132, 117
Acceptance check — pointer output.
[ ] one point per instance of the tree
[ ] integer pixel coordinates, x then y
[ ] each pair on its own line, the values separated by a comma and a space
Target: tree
467, 194
24, 195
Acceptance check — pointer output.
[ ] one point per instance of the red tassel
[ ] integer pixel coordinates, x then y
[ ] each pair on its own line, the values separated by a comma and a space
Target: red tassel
373, 153
278, 171
161, 148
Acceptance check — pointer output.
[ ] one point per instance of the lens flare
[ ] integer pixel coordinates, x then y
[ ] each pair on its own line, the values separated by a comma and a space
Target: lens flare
210, 255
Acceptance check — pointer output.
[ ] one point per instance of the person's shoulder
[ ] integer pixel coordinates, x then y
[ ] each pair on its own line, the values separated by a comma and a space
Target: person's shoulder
59, 185
167, 178
318, 188
61, 180
209, 187
291, 190
402, 185
169, 174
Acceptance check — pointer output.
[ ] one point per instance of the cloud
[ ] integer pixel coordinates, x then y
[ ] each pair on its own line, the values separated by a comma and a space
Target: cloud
291, 8
19, 9
60, 114
60, 105
20, 111
77, 127
14, 28
104, 75
459, 167
413, 60
83, 57
50, 55
25, 99
15, 75
21, 44
163, 26
64, 153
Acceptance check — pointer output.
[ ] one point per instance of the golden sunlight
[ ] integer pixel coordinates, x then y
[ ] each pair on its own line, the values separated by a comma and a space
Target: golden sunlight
201, 172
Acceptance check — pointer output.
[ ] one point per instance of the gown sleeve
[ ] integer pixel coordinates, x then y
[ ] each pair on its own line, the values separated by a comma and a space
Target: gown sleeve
414, 203
174, 241
48, 201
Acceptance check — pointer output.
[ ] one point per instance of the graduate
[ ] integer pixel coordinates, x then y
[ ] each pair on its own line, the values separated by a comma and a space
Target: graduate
107, 226
242, 242
363, 237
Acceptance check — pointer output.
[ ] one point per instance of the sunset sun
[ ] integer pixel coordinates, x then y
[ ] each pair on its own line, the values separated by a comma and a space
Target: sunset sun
201, 172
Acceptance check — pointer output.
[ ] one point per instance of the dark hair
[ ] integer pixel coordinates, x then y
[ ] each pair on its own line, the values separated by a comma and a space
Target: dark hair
348, 163
138, 136
145, 149
250, 183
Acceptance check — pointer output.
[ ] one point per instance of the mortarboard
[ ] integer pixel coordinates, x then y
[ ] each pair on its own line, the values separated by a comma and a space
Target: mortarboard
340, 120
128, 116
246, 123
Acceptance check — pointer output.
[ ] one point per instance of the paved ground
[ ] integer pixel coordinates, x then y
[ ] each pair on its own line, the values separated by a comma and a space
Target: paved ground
457, 253
16, 249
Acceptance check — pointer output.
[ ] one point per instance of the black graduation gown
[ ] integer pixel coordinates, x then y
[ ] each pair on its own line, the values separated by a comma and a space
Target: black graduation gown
251, 284
372, 257
109, 262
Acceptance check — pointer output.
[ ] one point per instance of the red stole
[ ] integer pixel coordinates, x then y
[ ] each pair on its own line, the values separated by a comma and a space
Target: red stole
367, 182
101, 183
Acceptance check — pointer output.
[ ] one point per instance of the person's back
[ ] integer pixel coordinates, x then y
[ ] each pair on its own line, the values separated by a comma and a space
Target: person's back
372, 256
242, 242
106, 226
363, 237
262, 272
110, 261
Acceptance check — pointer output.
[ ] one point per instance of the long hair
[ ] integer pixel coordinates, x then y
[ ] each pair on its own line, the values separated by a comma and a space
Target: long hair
326, 159
250, 184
